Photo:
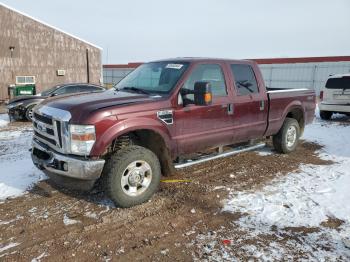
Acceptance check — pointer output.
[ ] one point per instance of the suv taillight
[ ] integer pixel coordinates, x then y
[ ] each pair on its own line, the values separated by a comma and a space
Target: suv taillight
321, 95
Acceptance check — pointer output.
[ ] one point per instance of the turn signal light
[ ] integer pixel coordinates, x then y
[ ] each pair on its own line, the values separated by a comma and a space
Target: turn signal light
207, 97
83, 137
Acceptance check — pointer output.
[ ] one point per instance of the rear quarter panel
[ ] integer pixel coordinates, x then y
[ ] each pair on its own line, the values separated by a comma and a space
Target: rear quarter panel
283, 102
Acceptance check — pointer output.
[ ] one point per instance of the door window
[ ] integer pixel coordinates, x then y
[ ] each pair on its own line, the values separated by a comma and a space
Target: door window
245, 80
211, 73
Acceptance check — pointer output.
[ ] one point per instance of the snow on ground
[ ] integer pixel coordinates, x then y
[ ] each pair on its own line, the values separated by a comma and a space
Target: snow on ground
17, 172
4, 120
307, 198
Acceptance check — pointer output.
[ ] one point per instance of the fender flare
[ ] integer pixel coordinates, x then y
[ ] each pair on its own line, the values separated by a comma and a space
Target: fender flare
292, 106
130, 125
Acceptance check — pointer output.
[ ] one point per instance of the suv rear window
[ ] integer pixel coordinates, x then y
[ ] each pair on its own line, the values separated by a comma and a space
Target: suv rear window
338, 83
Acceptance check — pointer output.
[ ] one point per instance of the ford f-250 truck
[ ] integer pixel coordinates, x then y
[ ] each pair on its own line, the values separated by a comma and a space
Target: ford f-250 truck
157, 116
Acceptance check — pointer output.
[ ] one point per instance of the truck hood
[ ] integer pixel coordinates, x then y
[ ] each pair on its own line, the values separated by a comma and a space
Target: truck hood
85, 104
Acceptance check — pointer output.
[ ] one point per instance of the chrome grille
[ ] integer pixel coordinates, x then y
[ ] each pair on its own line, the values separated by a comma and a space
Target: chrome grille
47, 130
51, 127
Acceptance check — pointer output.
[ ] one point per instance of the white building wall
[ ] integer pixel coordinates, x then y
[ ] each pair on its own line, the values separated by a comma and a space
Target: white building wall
301, 75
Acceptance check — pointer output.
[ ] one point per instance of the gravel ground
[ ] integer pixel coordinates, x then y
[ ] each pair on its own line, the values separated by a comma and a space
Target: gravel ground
48, 223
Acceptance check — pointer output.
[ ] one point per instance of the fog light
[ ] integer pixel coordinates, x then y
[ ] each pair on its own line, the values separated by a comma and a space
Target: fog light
65, 166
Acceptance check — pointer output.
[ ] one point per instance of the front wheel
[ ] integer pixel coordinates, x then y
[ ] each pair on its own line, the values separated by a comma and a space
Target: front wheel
286, 140
29, 113
131, 176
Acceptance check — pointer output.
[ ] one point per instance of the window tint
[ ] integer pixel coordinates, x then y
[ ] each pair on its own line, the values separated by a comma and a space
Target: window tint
89, 88
338, 83
244, 79
67, 90
209, 73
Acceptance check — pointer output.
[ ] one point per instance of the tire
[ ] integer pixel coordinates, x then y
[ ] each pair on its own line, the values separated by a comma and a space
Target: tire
29, 113
326, 115
131, 176
285, 141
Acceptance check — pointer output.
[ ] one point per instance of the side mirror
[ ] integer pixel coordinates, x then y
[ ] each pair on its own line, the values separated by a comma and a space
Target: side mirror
53, 94
202, 93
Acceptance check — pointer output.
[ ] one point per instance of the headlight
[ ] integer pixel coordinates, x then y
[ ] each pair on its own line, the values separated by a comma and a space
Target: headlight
13, 105
82, 138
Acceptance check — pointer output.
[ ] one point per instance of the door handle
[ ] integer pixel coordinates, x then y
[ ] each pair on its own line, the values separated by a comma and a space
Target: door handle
230, 109
262, 105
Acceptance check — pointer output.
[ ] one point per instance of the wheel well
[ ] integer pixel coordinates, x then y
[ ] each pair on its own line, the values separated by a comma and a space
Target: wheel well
298, 115
150, 140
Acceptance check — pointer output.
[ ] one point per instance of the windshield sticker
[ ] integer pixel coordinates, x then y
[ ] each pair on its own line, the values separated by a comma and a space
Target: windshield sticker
174, 66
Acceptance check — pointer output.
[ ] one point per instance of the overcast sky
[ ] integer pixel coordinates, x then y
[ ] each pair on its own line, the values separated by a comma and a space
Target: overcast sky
143, 30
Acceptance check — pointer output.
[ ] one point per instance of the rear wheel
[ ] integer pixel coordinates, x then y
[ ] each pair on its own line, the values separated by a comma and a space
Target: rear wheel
326, 115
132, 176
286, 140
29, 113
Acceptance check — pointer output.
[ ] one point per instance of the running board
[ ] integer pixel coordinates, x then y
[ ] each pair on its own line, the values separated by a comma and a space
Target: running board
224, 154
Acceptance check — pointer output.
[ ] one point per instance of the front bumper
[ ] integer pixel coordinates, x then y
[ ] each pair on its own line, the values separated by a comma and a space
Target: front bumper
67, 166
17, 112
337, 108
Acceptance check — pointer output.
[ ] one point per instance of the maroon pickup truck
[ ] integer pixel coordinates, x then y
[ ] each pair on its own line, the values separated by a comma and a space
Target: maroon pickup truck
164, 115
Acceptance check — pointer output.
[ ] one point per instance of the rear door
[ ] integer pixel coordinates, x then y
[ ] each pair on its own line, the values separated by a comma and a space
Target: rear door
201, 127
250, 105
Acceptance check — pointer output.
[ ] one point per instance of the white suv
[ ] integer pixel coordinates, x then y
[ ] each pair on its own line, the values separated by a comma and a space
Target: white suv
335, 96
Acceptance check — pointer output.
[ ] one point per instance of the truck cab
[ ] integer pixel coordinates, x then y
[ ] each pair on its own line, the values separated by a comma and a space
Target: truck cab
160, 116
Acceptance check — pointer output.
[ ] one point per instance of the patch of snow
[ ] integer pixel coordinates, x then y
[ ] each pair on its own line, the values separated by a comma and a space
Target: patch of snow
164, 252
18, 176
8, 246
305, 198
4, 120
265, 151
38, 258
68, 221
218, 188
91, 215
18, 173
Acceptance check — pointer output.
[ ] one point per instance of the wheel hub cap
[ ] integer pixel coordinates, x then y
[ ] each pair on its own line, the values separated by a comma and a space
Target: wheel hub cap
136, 178
291, 136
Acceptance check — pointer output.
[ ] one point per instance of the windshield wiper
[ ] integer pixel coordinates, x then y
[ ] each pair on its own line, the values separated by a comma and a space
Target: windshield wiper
134, 89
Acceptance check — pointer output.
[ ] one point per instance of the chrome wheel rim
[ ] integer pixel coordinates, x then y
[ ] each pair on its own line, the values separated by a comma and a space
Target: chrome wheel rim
30, 114
136, 178
291, 136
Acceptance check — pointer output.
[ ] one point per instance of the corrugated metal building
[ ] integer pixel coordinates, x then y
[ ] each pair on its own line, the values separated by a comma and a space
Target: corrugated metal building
33, 51
304, 72
307, 72
112, 74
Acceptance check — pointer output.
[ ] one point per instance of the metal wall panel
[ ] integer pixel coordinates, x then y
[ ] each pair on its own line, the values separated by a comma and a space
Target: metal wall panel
302, 75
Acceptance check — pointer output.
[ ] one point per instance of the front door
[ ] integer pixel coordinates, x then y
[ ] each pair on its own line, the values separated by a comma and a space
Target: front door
202, 127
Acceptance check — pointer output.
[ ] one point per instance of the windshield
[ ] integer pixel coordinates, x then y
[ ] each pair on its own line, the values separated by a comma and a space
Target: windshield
49, 91
154, 77
338, 83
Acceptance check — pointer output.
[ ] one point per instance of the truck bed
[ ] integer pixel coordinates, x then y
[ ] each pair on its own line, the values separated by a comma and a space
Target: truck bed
280, 99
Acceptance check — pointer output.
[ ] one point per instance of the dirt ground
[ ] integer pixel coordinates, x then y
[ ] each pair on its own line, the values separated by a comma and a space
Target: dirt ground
57, 225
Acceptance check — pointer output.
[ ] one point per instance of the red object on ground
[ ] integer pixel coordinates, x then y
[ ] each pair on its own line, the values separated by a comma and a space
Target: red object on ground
226, 242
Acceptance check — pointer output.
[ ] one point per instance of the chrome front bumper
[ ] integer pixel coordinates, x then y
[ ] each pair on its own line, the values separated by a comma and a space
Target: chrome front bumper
54, 163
